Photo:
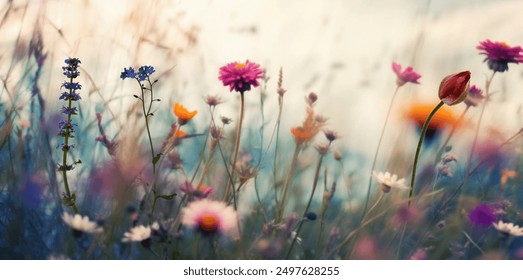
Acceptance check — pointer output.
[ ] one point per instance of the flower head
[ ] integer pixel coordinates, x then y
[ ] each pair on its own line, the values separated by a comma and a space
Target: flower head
183, 114
389, 181
137, 234
454, 88
508, 228
240, 76
127, 73
81, 224
71, 69
482, 215
406, 76
310, 127
500, 54
211, 218
474, 97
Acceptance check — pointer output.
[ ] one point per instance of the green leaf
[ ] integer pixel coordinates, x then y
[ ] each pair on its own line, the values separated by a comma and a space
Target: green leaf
157, 158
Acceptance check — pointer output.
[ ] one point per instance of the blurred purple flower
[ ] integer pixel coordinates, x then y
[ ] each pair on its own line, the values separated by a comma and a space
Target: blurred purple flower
482, 215
474, 97
406, 76
500, 54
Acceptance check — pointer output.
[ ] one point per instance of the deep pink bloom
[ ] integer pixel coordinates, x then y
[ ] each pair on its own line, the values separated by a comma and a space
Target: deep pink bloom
500, 54
482, 215
474, 97
406, 76
240, 76
454, 88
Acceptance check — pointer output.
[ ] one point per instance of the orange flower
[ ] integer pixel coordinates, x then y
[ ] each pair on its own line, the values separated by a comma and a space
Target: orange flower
182, 113
180, 133
310, 127
418, 113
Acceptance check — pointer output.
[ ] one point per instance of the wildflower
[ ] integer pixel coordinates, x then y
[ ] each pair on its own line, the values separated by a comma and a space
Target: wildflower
80, 224
240, 76
500, 54
474, 97
453, 89
311, 98
199, 192
128, 73
406, 76
330, 135
418, 113
337, 155
311, 216
211, 218
183, 114
482, 215
213, 100
508, 228
310, 127
225, 120
144, 72
505, 175
389, 181
138, 234
71, 69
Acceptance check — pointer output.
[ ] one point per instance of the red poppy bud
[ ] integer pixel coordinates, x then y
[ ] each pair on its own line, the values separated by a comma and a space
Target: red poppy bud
454, 88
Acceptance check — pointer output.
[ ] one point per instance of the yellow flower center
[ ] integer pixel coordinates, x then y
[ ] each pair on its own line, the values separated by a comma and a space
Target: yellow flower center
239, 65
504, 44
208, 223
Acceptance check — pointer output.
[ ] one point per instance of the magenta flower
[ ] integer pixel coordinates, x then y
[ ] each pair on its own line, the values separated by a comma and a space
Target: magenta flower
240, 76
482, 215
454, 88
406, 76
500, 54
474, 97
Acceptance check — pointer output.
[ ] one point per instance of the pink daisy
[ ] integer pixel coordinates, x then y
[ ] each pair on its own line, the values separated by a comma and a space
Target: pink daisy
500, 54
406, 76
211, 218
240, 76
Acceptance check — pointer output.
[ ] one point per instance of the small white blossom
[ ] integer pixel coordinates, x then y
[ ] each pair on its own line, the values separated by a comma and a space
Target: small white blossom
389, 181
137, 234
79, 223
508, 228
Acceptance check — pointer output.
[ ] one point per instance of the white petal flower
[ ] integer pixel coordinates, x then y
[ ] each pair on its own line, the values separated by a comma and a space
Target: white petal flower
389, 181
211, 217
137, 234
508, 228
79, 223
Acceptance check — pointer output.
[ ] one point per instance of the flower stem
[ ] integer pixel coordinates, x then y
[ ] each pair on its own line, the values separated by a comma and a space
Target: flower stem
288, 181
70, 200
314, 184
374, 160
146, 116
418, 149
235, 155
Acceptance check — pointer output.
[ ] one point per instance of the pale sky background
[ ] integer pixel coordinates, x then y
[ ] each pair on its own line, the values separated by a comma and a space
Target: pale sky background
340, 49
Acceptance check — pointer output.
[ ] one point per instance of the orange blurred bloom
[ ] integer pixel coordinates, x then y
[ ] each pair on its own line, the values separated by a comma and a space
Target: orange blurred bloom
418, 113
182, 113
310, 127
180, 133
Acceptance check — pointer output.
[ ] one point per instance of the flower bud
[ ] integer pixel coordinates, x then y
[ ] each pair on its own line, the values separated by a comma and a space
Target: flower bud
454, 88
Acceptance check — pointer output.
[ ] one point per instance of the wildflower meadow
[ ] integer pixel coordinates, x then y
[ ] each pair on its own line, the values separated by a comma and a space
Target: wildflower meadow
178, 130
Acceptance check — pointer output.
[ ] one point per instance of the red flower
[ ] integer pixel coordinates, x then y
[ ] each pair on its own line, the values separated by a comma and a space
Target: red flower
406, 76
240, 76
454, 88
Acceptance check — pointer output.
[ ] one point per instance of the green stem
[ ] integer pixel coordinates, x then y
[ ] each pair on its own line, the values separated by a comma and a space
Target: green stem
315, 183
235, 156
288, 181
70, 199
418, 149
146, 116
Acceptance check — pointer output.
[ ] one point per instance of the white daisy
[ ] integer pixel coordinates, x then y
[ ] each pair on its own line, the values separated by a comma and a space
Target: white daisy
81, 224
137, 234
211, 217
389, 181
508, 228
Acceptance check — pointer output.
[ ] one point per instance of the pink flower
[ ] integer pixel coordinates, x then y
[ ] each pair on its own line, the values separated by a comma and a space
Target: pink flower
406, 76
240, 76
211, 218
454, 88
500, 54
474, 97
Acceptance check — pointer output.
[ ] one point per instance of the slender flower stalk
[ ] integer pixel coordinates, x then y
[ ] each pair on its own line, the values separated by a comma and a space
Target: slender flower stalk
402, 77
67, 127
288, 182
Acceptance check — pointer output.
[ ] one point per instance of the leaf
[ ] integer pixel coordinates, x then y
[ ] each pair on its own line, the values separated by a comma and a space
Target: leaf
157, 158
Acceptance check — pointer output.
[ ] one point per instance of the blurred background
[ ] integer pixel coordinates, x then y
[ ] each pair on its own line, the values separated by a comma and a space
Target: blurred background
341, 50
